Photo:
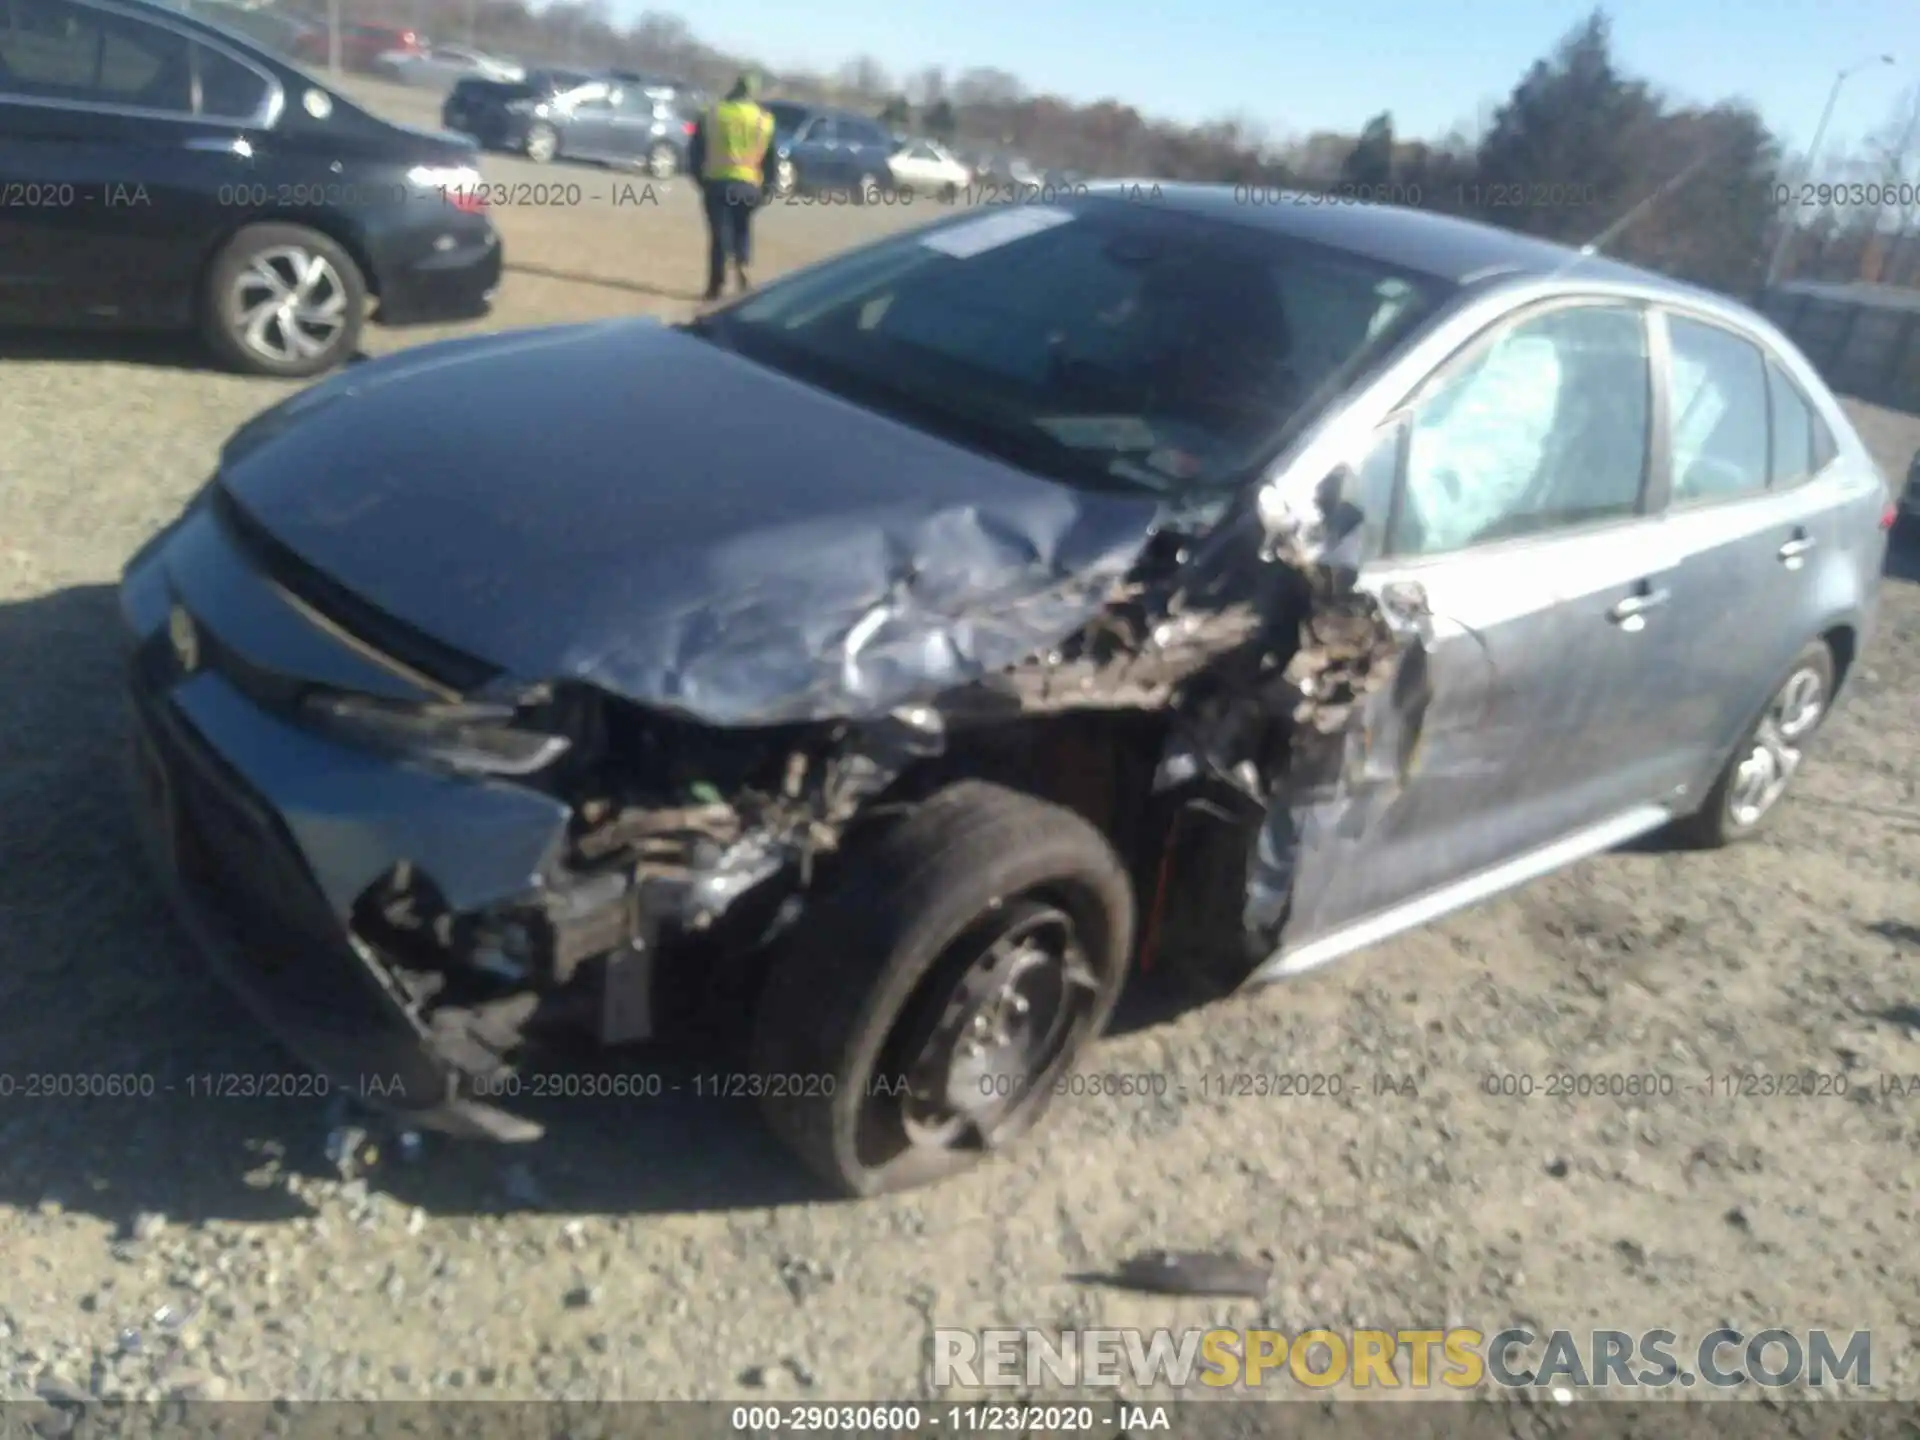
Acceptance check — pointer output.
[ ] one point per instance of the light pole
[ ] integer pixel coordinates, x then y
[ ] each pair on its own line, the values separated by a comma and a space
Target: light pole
1787, 228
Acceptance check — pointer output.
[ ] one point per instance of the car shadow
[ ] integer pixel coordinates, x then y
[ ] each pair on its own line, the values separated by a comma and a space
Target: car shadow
86, 347
168, 352
116, 1039
604, 282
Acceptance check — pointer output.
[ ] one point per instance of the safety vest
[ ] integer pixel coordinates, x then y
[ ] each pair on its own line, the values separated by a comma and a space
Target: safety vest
738, 133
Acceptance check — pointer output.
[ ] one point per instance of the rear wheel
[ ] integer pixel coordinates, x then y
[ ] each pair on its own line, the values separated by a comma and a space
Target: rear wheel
663, 161
1768, 756
867, 192
543, 143
928, 1007
283, 300
786, 178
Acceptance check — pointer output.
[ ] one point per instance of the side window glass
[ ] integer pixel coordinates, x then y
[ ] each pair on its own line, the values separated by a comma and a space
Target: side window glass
228, 89
1793, 422
1543, 429
1825, 447
64, 52
1717, 401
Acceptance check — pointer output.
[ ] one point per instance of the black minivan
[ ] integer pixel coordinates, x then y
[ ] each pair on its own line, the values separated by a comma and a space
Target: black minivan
159, 171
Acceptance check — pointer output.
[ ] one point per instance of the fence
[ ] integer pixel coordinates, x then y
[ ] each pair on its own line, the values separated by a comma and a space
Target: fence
1865, 339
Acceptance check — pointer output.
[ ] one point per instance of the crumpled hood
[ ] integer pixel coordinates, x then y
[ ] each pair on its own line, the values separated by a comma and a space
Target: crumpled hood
628, 505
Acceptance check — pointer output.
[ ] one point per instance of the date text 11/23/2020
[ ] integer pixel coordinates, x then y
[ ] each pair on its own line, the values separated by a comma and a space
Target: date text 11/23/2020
897, 1420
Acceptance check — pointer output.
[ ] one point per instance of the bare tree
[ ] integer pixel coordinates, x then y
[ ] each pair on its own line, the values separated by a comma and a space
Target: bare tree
927, 88
864, 77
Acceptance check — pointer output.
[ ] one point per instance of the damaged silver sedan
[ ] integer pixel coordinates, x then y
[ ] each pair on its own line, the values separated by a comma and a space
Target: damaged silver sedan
891, 664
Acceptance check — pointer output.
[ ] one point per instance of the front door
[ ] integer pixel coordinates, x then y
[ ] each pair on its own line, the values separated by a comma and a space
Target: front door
1519, 481
134, 144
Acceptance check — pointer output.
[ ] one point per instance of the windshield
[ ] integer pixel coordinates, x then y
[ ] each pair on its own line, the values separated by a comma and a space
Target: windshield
1105, 343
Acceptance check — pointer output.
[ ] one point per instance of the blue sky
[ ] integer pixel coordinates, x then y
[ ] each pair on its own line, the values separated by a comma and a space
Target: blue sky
1433, 62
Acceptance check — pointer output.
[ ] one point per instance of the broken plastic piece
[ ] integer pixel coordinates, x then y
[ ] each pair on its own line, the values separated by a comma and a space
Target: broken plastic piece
1192, 1272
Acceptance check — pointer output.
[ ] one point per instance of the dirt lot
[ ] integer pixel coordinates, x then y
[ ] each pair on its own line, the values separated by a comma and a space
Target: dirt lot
656, 1249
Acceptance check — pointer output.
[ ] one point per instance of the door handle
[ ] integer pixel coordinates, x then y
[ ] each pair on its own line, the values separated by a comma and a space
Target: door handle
1795, 550
1631, 613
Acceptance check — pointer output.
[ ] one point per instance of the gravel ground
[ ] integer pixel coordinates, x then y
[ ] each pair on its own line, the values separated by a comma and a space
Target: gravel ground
665, 1250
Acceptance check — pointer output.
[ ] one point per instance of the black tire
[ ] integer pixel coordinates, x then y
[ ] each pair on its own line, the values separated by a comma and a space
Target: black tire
949, 194
875, 959
229, 288
1719, 821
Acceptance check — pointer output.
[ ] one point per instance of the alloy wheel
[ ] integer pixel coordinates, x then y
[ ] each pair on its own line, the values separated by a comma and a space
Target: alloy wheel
1763, 775
662, 163
543, 143
289, 304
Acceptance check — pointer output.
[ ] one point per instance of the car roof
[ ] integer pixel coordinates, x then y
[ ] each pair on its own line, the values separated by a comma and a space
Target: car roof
1444, 247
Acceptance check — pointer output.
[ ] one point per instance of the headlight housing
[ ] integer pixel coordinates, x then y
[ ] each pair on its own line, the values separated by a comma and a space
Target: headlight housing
469, 736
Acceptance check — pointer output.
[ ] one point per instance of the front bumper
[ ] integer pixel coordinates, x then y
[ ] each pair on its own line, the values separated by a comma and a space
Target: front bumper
266, 835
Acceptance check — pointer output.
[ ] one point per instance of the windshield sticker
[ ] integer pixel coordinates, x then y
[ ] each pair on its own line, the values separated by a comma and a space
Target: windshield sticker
1100, 432
992, 231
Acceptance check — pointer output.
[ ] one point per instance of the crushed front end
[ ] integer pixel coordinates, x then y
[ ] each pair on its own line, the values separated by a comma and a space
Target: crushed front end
417, 873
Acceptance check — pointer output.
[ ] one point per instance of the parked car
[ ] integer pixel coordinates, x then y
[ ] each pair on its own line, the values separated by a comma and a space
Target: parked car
925, 167
558, 116
1910, 494
817, 150
201, 181
360, 45
1011, 171
442, 66
1098, 589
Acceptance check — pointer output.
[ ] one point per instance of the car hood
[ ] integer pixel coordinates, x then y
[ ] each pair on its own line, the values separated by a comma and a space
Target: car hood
628, 505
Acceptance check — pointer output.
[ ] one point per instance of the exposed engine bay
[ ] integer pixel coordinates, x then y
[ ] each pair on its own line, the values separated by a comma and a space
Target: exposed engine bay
1223, 689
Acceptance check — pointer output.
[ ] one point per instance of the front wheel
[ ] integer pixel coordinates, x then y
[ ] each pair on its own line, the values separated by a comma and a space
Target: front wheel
867, 191
543, 143
927, 1009
283, 300
1768, 756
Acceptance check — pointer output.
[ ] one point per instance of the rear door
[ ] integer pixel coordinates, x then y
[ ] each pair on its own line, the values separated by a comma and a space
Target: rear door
867, 145
816, 153
1520, 479
630, 128
135, 142
1752, 511
588, 122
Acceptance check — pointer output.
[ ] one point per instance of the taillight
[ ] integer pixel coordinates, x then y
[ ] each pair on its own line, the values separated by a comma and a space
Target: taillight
689, 127
469, 202
1890, 516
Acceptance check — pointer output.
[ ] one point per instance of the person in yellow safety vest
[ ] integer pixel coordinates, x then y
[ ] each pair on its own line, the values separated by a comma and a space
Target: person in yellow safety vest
729, 154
